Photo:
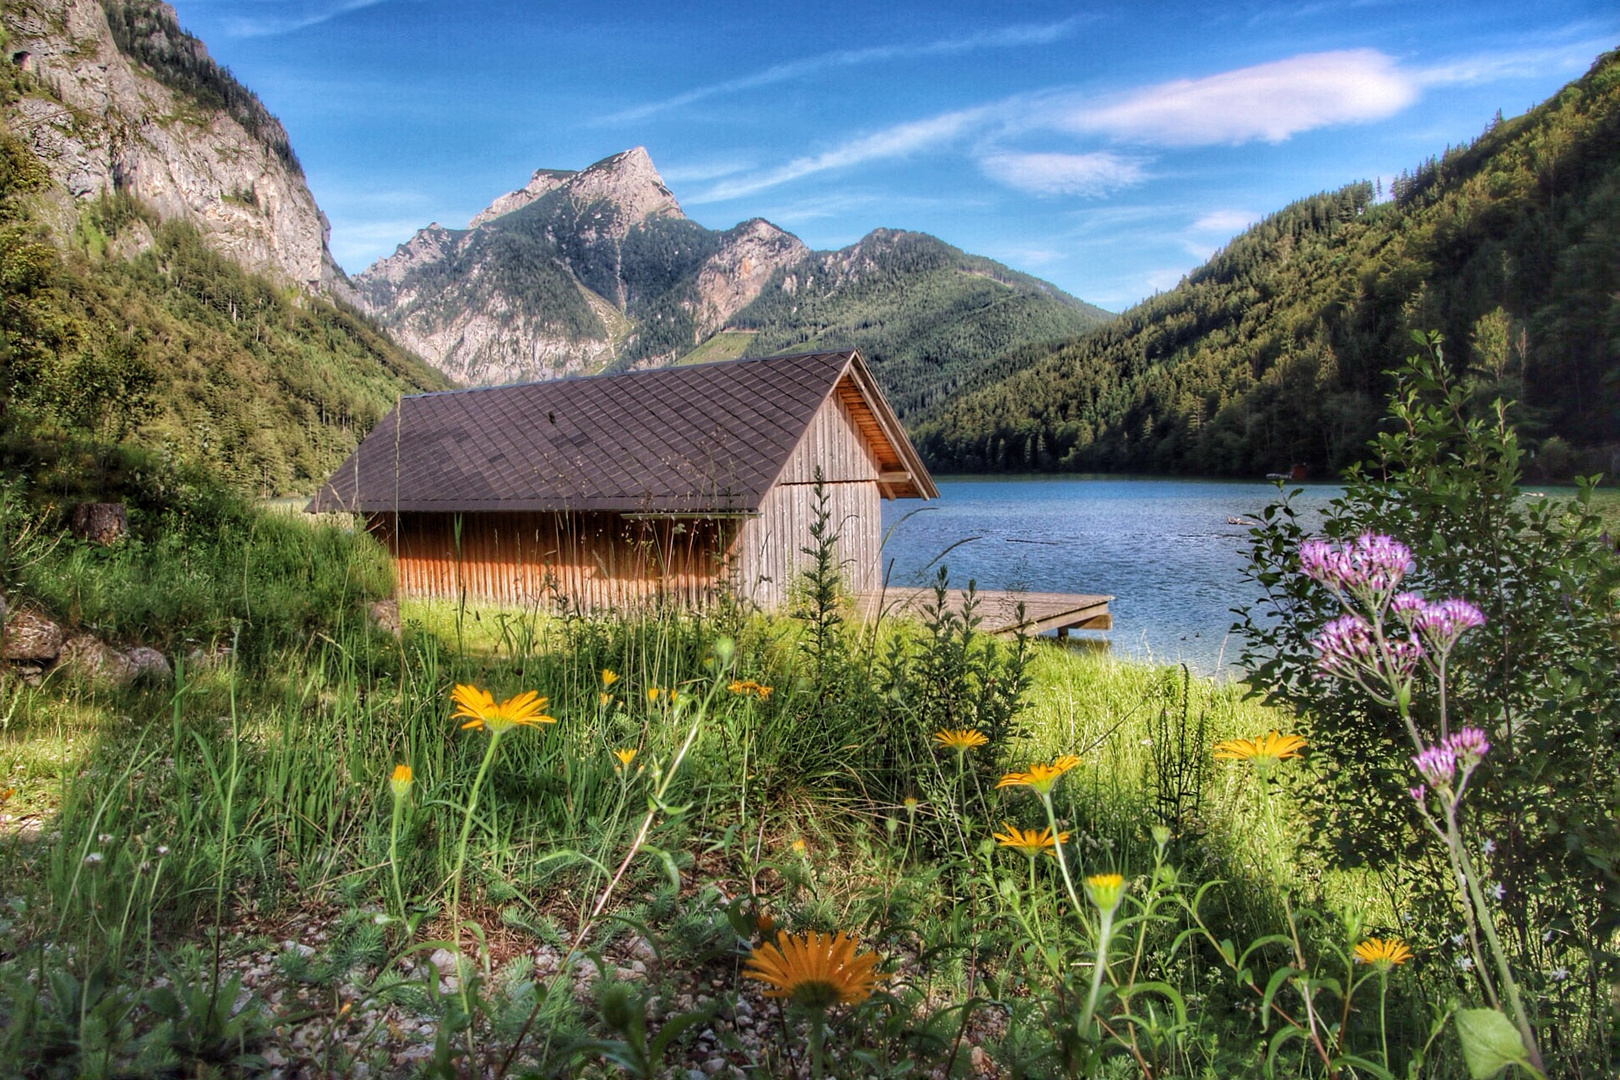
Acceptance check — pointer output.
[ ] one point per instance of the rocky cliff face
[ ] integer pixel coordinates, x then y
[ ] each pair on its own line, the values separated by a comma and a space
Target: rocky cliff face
572, 273
157, 119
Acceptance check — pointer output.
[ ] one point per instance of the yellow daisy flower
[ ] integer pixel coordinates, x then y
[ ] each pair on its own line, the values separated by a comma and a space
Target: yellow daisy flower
625, 756
1030, 842
481, 711
1267, 749
814, 970
1384, 953
960, 739
1041, 776
608, 677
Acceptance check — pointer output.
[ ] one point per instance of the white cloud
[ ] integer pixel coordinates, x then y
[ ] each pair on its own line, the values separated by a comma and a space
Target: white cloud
1267, 101
1523, 63
901, 140
1225, 221
1006, 37
700, 171
265, 18
1064, 174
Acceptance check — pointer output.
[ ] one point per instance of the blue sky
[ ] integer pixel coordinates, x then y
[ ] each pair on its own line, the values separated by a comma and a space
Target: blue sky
1108, 148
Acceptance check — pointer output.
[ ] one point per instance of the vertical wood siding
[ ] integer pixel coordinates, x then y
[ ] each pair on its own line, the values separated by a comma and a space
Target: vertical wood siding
767, 555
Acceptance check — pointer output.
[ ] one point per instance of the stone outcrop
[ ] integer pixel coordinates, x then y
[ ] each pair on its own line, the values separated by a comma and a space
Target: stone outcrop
29, 637
732, 278
543, 182
102, 123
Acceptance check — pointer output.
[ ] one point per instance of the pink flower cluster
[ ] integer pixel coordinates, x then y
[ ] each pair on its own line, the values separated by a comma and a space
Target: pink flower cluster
1440, 764
1348, 648
1373, 564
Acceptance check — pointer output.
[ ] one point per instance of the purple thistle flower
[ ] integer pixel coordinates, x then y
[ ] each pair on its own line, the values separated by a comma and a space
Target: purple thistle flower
1344, 646
1441, 624
1372, 564
1407, 605
1437, 764
1470, 746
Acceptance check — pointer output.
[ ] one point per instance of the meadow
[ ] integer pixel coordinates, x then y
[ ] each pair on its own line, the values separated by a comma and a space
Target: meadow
551, 843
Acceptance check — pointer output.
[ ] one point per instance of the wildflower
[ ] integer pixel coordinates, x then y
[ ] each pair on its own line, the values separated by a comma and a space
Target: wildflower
1106, 891
1441, 624
1487, 846
8, 793
104, 838
960, 739
1346, 648
609, 677
1030, 842
654, 693
1407, 606
1457, 941
910, 804
748, 688
1558, 974
1465, 963
1418, 793
93, 858
604, 699
814, 970
162, 850
1262, 751
1437, 764
400, 781
1370, 567
525, 709
625, 756
1470, 746
1041, 776
1498, 891
798, 847
1382, 953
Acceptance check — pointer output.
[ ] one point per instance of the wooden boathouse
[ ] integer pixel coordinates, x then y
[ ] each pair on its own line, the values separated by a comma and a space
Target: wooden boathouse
615, 490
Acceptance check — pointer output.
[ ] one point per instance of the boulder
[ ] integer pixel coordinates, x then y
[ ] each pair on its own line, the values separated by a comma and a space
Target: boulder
146, 664
103, 523
87, 657
384, 615
29, 636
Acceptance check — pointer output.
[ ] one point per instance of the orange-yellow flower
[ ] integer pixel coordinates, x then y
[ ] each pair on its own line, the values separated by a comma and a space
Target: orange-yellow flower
1106, 891
1041, 776
814, 970
1384, 953
1267, 749
608, 677
625, 756
481, 711
400, 781
748, 688
960, 739
604, 699
1030, 842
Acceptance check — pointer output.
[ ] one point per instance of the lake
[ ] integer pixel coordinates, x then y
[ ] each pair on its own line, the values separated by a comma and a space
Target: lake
1164, 549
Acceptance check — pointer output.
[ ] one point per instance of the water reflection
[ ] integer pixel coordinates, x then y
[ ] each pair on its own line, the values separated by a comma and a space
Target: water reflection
1171, 552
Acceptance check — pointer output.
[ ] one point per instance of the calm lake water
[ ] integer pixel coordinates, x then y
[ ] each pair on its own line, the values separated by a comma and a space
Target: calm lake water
1164, 549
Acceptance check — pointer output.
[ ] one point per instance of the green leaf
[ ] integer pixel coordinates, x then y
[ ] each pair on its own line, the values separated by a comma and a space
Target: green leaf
1490, 1042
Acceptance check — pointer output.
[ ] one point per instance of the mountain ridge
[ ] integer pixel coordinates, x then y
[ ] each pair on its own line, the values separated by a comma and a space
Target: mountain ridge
600, 269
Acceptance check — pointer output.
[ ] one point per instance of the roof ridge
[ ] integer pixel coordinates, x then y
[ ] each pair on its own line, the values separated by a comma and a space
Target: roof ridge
666, 369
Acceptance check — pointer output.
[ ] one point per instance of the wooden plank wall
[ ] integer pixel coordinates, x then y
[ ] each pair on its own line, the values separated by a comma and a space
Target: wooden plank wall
767, 556
584, 561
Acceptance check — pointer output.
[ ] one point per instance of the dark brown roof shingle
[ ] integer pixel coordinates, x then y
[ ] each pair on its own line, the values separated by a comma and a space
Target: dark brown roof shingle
704, 438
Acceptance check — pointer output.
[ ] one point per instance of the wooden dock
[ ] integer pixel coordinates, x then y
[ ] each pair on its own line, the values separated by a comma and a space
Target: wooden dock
998, 611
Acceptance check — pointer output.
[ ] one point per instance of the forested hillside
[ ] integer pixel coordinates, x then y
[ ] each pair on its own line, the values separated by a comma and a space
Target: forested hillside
177, 348
929, 317
1274, 351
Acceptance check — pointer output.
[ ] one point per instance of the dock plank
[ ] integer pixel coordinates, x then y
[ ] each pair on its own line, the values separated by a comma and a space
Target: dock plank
998, 610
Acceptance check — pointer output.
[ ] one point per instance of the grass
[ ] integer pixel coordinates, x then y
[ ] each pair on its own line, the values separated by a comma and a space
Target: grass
161, 843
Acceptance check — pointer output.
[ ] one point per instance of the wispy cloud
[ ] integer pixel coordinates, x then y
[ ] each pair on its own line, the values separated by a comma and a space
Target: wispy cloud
900, 140
1006, 37
266, 18
1269, 102
1225, 221
1091, 174
1513, 64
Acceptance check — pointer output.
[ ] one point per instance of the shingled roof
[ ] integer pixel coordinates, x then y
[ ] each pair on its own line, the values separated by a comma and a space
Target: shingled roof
707, 438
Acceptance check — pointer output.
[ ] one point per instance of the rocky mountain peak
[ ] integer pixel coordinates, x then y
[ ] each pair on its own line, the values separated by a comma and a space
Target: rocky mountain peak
543, 182
629, 181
